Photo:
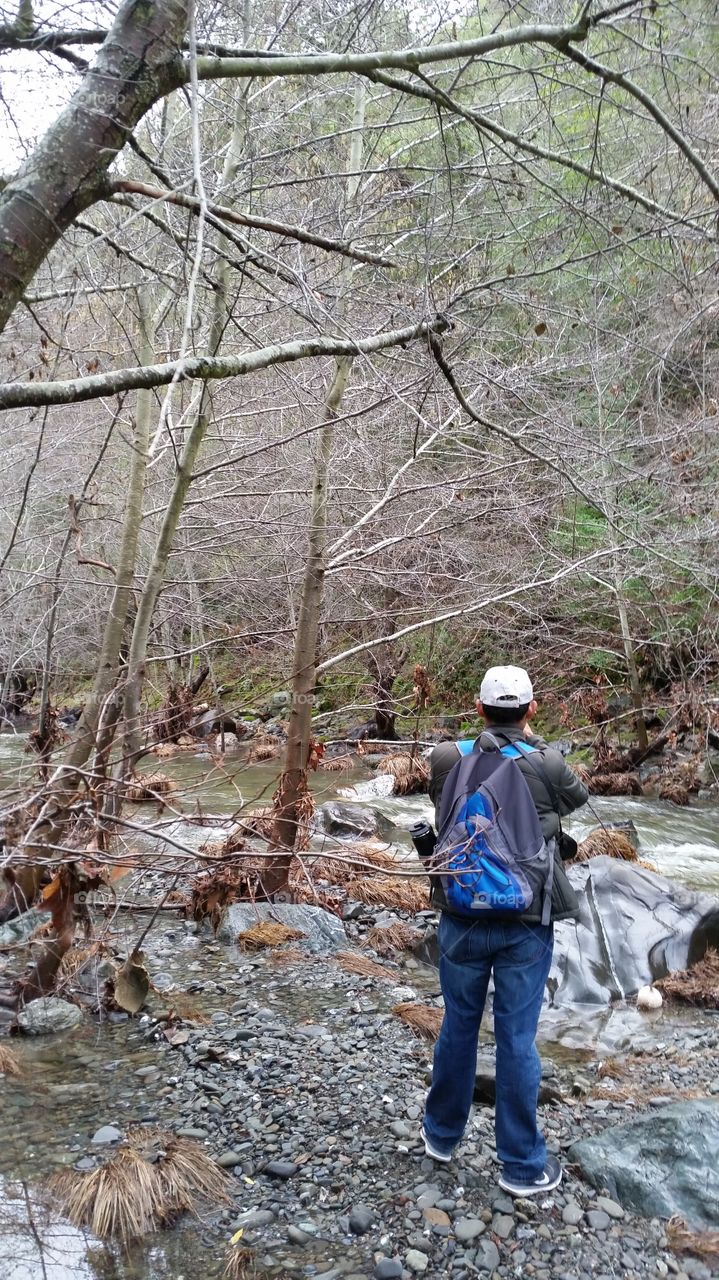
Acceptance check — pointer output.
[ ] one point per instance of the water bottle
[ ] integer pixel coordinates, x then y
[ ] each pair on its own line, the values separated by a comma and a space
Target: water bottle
424, 839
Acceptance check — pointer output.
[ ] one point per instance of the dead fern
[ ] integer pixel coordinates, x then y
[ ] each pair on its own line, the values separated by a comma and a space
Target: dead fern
410, 773
9, 1065
390, 891
267, 933
388, 939
423, 1019
362, 965
152, 1178
698, 985
612, 844
681, 1239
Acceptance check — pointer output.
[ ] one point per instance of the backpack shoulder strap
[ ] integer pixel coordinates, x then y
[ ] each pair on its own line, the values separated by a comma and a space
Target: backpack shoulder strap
538, 767
465, 746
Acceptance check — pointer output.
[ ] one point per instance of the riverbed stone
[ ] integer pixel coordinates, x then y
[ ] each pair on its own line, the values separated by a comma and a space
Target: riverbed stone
661, 1163
361, 1219
322, 930
416, 1261
48, 1016
106, 1134
467, 1229
388, 1269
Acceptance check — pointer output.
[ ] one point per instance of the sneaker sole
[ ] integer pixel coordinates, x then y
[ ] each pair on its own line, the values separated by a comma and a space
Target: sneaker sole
521, 1193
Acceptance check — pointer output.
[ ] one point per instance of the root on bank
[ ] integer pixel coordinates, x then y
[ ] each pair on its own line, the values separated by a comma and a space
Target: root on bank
151, 1179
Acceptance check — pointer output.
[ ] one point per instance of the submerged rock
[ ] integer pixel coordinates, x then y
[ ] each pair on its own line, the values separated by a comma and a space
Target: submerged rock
662, 1163
47, 1016
349, 821
322, 930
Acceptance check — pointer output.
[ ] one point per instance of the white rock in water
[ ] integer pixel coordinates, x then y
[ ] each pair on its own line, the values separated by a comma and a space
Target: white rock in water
649, 998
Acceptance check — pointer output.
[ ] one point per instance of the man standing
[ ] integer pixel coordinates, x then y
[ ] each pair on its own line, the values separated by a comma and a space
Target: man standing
515, 948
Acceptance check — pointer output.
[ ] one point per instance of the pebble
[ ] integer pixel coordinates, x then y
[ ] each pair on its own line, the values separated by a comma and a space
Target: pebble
467, 1229
598, 1219
416, 1261
609, 1206
281, 1169
106, 1134
388, 1269
361, 1219
572, 1214
503, 1225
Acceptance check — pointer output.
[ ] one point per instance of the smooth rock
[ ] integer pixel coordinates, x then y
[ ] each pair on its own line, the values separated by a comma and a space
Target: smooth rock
416, 1261
281, 1169
572, 1214
467, 1229
361, 1219
47, 1016
108, 1133
321, 928
598, 1220
661, 1163
609, 1206
388, 1269
487, 1257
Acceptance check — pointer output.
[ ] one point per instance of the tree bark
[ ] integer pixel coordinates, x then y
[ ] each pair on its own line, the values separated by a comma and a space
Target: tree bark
138, 62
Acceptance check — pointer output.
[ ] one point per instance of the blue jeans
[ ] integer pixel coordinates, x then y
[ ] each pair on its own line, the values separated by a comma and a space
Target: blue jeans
520, 956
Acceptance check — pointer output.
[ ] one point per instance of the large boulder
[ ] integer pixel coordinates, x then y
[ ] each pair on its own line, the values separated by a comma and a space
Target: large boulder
47, 1016
352, 821
323, 931
663, 1162
634, 926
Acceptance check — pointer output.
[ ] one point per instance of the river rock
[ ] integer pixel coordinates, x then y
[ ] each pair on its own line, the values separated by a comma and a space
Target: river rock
322, 930
661, 1163
47, 1016
18, 930
347, 821
634, 926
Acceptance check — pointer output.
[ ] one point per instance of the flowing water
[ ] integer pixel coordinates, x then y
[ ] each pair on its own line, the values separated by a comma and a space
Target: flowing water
72, 1083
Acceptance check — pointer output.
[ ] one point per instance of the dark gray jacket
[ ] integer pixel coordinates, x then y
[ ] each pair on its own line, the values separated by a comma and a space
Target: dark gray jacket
571, 794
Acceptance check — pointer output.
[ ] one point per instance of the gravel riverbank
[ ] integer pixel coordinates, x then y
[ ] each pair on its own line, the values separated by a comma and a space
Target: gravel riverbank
309, 1091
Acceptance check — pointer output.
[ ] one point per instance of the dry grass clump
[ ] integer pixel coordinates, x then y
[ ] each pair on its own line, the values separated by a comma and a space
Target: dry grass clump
681, 1239
239, 1259
614, 784
410, 773
267, 933
390, 891
366, 968
151, 1179
423, 1019
611, 1068
149, 786
698, 985
292, 955
613, 844
264, 747
345, 866
388, 939
338, 764
9, 1065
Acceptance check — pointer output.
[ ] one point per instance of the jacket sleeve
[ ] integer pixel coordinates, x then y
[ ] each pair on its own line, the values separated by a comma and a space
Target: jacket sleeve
570, 789
441, 762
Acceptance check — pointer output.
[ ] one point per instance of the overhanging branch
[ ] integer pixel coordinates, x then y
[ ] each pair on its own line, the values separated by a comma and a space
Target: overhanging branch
22, 395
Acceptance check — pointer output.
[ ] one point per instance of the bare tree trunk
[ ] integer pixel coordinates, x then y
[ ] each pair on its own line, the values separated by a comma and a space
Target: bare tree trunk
293, 783
65, 784
67, 171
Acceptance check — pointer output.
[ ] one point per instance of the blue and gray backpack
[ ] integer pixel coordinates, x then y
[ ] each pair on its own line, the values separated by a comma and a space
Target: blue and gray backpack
491, 858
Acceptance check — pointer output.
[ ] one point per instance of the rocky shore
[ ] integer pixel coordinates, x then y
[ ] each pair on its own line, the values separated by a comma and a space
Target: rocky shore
304, 1085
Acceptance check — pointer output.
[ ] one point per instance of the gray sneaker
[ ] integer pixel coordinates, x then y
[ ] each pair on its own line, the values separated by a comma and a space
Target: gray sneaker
433, 1152
547, 1181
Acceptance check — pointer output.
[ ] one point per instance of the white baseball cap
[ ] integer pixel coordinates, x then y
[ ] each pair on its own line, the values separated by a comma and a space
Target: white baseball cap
506, 687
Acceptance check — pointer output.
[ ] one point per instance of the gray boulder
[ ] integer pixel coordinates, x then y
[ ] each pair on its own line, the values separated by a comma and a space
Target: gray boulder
661, 1163
350, 821
47, 1016
634, 926
322, 930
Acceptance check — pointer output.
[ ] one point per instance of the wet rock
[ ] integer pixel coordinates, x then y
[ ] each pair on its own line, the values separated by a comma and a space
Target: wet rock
322, 930
47, 1016
388, 1269
108, 1133
351, 820
661, 1163
18, 930
361, 1219
282, 1169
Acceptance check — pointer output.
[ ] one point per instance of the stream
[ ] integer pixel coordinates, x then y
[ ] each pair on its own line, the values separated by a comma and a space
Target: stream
103, 1073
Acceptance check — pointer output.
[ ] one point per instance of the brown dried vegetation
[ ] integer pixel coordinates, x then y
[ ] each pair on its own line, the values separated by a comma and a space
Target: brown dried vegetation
681, 1239
388, 939
366, 968
410, 773
698, 985
151, 1179
390, 891
423, 1019
267, 933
